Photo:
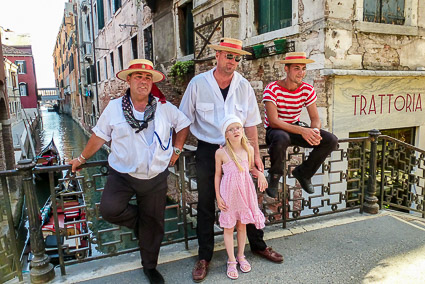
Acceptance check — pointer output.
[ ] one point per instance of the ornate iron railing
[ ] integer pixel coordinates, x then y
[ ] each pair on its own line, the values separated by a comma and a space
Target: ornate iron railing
347, 180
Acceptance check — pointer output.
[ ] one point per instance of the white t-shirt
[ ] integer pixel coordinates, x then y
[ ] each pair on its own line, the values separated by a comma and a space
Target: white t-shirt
131, 152
205, 107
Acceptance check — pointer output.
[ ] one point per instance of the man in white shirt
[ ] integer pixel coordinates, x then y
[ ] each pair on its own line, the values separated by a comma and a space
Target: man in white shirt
209, 97
140, 128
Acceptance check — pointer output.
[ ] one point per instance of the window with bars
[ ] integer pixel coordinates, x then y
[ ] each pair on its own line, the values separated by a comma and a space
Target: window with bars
273, 15
384, 11
147, 36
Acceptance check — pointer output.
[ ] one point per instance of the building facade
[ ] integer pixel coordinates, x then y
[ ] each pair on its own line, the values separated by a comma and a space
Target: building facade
368, 69
66, 64
17, 48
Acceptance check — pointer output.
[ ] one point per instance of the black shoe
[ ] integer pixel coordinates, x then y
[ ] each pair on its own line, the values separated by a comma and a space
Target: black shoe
304, 182
273, 181
153, 275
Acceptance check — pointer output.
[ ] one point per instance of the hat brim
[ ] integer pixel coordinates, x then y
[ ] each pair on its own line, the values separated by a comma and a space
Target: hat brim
302, 61
156, 75
229, 49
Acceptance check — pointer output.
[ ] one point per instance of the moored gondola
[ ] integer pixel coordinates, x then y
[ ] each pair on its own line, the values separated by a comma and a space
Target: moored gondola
49, 156
71, 214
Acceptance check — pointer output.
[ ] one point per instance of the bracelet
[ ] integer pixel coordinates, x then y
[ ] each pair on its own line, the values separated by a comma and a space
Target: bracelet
79, 160
82, 157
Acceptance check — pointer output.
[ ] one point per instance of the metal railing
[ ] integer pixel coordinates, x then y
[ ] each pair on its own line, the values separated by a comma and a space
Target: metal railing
352, 178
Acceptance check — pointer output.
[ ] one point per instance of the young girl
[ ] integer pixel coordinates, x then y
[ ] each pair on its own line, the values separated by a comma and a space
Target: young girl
235, 191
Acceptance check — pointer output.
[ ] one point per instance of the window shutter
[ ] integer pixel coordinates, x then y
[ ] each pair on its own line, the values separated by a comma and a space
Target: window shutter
264, 16
393, 12
371, 11
286, 13
100, 15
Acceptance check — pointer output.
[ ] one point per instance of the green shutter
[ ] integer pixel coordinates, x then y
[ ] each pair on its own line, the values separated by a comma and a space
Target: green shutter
100, 15
274, 15
264, 16
371, 11
393, 12
189, 30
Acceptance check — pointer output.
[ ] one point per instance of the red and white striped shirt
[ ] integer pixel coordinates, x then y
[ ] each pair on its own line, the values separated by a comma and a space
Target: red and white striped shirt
289, 103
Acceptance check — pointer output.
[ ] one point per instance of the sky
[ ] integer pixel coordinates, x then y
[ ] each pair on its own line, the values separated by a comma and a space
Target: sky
41, 19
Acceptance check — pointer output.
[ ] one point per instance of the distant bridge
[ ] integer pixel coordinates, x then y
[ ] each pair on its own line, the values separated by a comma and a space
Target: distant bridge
49, 94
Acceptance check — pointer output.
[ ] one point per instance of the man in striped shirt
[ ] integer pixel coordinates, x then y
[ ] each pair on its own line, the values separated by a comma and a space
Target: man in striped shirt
284, 100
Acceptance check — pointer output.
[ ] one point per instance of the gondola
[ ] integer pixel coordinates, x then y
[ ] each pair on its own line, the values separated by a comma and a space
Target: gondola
71, 214
49, 156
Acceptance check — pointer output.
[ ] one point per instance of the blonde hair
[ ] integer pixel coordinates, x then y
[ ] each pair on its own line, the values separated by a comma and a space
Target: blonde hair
245, 144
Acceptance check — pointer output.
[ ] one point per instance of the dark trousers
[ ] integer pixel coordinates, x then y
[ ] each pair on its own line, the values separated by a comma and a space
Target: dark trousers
205, 171
279, 140
148, 214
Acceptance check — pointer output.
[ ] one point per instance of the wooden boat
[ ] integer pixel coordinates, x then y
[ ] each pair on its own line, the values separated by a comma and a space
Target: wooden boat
72, 218
49, 156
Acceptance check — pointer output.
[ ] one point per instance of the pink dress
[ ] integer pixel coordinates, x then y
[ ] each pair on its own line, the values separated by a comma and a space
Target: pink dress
238, 192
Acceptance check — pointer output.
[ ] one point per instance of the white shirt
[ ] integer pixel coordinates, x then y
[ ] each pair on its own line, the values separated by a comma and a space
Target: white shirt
205, 107
130, 151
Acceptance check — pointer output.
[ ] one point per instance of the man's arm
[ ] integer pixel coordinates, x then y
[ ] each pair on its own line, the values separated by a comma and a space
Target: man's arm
314, 116
178, 143
93, 145
309, 134
252, 135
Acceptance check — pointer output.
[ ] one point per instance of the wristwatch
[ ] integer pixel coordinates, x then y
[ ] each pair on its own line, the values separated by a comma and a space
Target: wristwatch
177, 151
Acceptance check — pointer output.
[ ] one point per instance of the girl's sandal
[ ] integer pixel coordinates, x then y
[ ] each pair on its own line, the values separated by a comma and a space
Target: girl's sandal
232, 272
243, 264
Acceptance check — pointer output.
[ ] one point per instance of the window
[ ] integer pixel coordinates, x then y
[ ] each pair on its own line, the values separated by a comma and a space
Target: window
109, 5
100, 15
120, 58
111, 62
116, 6
13, 77
22, 66
88, 75
23, 89
186, 29
106, 67
98, 71
384, 11
273, 15
147, 35
71, 62
134, 47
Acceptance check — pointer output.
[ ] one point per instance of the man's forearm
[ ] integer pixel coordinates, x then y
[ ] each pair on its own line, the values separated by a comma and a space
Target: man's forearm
252, 135
181, 137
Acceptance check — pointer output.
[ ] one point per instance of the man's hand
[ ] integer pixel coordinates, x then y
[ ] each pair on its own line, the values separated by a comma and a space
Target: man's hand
173, 159
76, 163
259, 163
311, 135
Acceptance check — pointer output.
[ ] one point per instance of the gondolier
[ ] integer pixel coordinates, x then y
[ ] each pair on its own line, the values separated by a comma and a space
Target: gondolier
140, 128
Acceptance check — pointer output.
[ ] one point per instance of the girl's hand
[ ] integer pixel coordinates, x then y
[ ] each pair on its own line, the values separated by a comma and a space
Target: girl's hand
221, 204
262, 182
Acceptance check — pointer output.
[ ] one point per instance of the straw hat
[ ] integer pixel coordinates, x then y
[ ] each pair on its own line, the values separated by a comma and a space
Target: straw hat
231, 45
141, 65
296, 57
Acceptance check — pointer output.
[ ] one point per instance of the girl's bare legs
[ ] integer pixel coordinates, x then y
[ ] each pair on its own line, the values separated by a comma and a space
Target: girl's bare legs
228, 243
241, 237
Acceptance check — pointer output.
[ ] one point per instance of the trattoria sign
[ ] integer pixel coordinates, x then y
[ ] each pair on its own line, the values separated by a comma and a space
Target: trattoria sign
386, 103
361, 103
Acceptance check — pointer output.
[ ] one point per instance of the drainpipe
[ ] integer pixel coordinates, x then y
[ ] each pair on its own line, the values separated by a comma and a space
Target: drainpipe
78, 60
94, 56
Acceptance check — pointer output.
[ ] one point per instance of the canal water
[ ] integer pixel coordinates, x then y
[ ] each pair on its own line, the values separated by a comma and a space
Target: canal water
70, 141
